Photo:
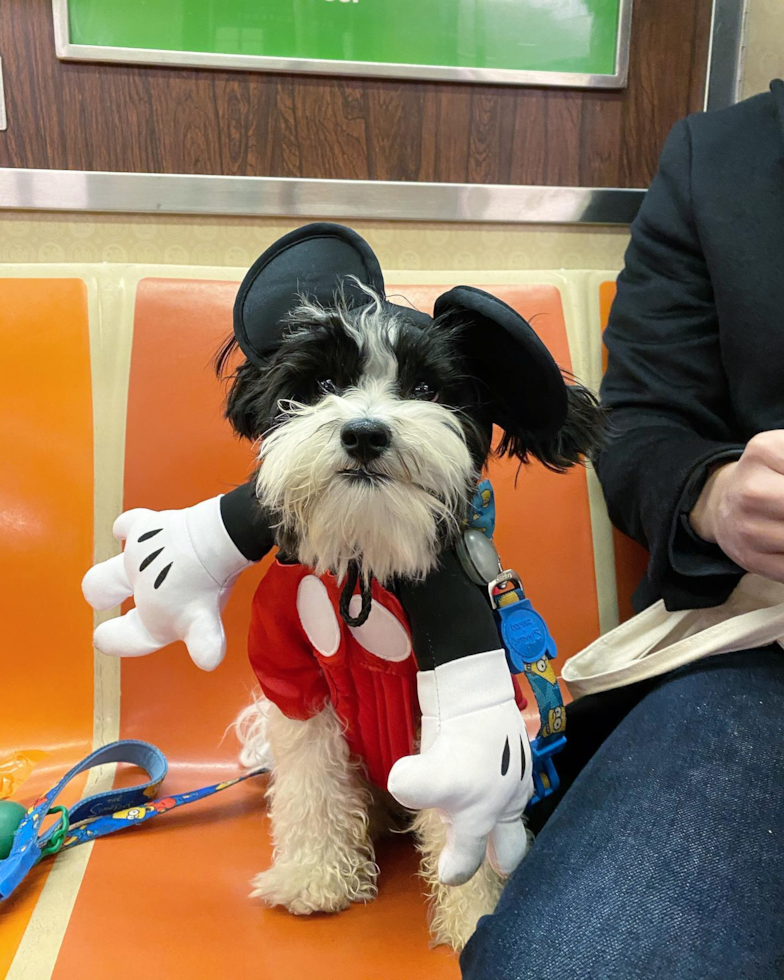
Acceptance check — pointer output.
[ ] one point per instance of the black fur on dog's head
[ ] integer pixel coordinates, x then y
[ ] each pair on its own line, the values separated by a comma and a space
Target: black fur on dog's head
318, 356
428, 390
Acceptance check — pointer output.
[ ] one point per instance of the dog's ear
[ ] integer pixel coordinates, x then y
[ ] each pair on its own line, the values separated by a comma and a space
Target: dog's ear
315, 262
521, 388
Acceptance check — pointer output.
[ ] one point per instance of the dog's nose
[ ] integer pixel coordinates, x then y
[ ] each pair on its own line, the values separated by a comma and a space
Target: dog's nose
365, 439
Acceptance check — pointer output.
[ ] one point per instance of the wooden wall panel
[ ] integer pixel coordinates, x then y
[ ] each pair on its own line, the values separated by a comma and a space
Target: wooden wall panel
118, 117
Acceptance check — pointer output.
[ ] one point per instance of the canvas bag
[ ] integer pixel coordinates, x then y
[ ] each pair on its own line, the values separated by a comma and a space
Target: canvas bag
657, 641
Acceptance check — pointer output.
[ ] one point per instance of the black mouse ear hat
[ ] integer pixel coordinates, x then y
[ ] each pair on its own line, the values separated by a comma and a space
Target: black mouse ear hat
315, 263
522, 389
520, 378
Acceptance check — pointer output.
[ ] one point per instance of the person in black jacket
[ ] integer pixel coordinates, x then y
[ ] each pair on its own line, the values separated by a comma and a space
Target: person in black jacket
664, 857
696, 352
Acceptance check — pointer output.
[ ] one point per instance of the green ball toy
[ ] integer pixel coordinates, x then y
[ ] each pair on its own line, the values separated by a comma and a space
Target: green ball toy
11, 815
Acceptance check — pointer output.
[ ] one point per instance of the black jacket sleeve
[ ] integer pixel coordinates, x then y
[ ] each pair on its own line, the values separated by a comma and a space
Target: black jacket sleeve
667, 394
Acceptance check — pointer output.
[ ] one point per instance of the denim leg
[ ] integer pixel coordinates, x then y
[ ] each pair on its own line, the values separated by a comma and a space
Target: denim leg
665, 858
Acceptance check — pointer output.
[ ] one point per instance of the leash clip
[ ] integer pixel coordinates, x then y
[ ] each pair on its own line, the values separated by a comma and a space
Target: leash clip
60, 832
498, 599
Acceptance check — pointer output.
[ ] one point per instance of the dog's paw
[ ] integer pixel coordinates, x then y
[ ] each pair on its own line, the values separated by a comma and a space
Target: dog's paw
304, 889
455, 910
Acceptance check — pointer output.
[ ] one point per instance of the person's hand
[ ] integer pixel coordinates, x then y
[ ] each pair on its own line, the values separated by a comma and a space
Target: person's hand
180, 567
474, 766
741, 507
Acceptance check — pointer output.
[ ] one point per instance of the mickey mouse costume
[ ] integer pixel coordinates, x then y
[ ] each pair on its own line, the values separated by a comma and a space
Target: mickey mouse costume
435, 637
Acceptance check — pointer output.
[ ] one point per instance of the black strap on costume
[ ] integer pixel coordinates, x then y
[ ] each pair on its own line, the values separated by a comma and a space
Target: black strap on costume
248, 524
438, 636
346, 595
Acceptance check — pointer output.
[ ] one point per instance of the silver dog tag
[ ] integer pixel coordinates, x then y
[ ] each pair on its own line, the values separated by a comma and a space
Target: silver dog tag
478, 556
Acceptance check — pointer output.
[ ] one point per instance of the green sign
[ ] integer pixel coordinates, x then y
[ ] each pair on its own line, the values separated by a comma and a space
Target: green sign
473, 40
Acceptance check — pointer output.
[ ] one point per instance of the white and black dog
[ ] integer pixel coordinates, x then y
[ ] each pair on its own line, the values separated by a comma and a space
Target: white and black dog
374, 419
373, 422
369, 447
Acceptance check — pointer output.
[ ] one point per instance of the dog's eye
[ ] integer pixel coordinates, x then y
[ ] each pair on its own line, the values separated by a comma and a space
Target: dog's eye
328, 386
424, 392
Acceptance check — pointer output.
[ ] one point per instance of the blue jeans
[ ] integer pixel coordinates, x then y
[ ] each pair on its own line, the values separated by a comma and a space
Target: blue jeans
664, 858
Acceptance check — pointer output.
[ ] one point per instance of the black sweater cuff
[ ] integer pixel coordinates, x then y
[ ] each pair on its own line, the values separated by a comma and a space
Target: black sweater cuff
690, 555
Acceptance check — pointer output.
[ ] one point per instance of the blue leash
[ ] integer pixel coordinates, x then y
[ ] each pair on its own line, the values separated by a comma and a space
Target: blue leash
98, 815
530, 650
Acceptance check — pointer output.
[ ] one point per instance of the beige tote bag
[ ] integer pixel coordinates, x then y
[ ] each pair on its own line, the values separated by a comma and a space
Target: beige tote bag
657, 641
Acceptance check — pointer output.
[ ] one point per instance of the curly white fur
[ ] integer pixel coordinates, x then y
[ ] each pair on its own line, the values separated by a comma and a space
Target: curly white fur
324, 817
453, 910
318, 805
251, 727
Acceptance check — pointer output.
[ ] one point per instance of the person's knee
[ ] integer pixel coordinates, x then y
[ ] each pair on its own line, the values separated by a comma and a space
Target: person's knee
492, 953
510, 945
633, 866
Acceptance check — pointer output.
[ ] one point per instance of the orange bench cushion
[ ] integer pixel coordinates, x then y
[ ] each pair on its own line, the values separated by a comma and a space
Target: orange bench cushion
46, 544
631, 559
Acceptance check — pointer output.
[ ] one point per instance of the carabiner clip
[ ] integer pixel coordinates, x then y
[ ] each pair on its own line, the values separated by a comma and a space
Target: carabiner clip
56, 841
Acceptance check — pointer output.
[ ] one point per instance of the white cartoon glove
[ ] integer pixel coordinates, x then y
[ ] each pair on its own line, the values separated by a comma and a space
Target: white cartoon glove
474, 765
180, 567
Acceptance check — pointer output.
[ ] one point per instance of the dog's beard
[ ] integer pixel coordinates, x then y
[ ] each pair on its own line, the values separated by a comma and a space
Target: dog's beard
395, 514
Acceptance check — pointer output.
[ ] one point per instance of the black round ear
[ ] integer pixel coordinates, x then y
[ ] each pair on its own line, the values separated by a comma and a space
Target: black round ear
316, 262
523, 385
522, 389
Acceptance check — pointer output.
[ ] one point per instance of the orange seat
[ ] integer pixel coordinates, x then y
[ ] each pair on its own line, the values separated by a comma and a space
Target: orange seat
631, 559
46, 544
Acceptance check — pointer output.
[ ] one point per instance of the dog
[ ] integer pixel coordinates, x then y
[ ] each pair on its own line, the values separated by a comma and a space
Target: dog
386, 697
373, 423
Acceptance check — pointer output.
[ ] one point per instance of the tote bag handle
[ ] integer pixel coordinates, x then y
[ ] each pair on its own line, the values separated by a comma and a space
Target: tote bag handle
657, 641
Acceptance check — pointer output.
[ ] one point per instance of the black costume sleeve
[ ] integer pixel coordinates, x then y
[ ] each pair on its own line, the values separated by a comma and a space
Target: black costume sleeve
666, 390
248, 524
450, 617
